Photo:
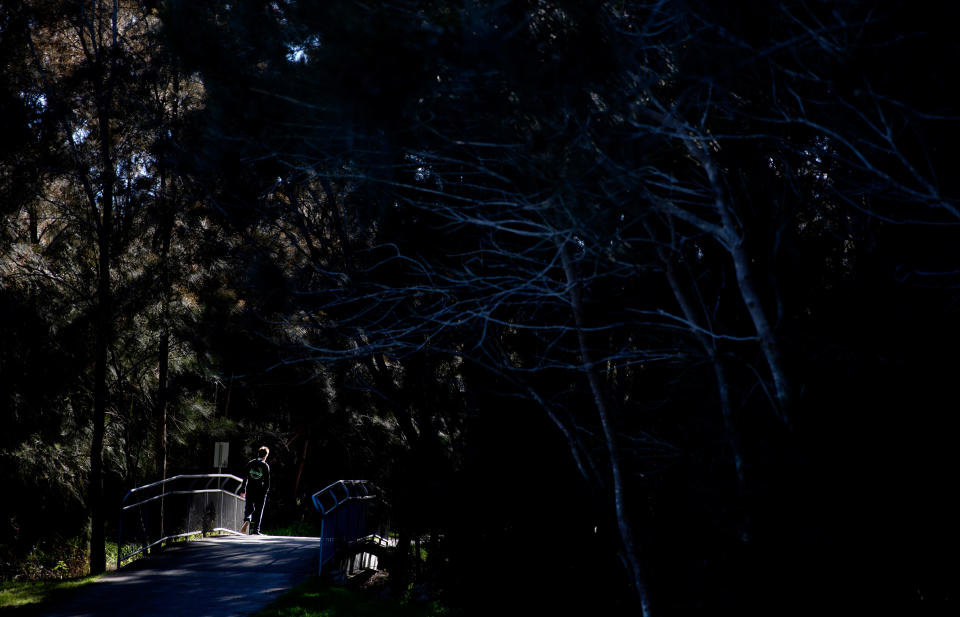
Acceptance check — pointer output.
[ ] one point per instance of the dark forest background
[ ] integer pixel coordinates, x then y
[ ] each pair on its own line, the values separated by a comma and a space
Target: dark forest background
628, 307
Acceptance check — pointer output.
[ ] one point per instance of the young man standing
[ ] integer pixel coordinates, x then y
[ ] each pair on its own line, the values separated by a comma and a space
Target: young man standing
256, 481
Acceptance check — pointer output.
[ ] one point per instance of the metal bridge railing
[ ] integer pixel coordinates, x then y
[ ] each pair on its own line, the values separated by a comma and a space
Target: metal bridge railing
179, 506
344, 507
328, 499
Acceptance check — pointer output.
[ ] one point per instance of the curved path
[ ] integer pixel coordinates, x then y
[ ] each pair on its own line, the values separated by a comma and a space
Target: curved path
215, 577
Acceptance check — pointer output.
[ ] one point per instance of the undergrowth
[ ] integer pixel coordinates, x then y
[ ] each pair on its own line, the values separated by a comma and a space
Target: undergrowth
319, 598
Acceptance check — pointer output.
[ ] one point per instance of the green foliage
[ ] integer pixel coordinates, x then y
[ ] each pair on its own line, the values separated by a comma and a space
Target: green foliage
302, 528
14, 594
44, 529
318, 598
44, 557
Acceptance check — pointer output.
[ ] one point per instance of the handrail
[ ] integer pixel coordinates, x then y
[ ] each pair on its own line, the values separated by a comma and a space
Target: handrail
352, 489
179, 477
152, 525
190, 492
343, 508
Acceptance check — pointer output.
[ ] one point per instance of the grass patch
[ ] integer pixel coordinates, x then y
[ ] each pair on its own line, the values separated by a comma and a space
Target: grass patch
25, 594
319, 598
308, 529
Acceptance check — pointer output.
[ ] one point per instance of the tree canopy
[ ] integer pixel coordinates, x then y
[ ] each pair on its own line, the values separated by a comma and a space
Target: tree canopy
634, 306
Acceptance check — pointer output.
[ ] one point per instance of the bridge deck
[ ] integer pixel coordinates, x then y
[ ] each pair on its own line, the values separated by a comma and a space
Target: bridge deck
214, 577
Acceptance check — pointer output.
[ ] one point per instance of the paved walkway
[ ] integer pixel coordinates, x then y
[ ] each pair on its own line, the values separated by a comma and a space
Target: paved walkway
215, 577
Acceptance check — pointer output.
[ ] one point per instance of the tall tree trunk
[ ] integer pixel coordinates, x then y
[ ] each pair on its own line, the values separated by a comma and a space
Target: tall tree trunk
709, 345
103, 92
631, 544
303, 460
163, 349
700, 330
162, 396
729, 235
103, 335
732, 239
768, 341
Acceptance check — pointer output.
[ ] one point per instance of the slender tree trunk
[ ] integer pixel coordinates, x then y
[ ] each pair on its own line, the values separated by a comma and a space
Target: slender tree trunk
163, 348
631, 544
723, 388
303, 460
103, 92
100, 61
732, 239
162, 396
400, 566
97, 507
768, 341
710, 348
103, 335
226, 403
730, 236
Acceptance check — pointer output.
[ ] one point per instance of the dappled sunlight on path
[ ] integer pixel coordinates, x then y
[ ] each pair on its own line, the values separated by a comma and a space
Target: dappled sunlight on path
214, 577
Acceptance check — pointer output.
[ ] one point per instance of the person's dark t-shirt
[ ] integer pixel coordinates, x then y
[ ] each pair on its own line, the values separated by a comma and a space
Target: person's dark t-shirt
257, 478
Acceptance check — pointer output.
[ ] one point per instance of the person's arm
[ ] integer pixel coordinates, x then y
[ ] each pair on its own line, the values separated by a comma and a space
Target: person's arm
243, 485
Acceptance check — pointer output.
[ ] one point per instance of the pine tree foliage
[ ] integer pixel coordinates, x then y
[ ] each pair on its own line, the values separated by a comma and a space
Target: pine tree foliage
670, 281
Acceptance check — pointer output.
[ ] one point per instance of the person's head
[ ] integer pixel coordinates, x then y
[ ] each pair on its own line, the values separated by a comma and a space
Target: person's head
263, 452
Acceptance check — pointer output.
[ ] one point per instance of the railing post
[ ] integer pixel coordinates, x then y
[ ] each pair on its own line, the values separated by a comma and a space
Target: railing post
320, 565
163, 494
119, 540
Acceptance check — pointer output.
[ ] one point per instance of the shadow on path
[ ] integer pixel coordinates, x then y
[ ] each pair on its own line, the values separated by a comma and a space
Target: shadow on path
214, 577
